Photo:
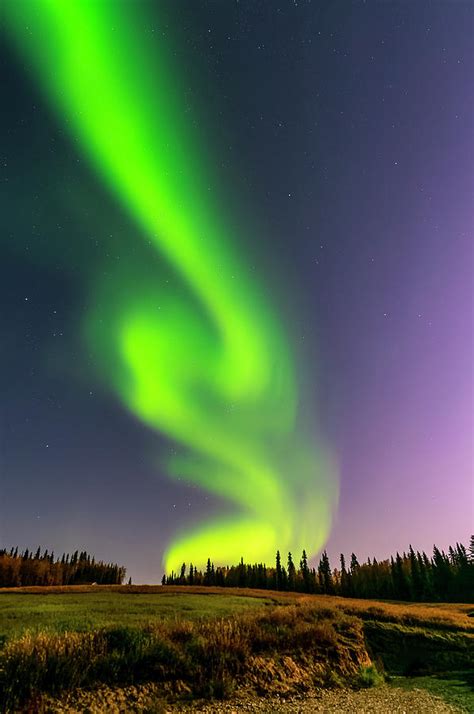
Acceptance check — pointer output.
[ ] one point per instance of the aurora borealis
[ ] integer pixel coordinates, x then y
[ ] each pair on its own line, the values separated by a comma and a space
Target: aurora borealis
252, 239
210, 367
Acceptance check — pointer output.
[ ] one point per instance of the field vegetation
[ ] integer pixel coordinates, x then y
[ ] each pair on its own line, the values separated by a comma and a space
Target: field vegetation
209, 642
83, 608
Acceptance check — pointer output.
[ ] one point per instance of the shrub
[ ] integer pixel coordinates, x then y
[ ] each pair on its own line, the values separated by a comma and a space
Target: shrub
369, 677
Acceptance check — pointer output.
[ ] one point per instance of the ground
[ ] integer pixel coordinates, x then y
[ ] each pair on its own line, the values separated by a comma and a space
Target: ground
84, 609
385, 699
434, 641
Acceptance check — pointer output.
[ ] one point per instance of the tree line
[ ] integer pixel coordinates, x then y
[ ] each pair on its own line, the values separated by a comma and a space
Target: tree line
409, 576
43, 568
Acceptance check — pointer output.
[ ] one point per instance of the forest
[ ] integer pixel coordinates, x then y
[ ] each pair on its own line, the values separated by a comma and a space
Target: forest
411, 576
42, 568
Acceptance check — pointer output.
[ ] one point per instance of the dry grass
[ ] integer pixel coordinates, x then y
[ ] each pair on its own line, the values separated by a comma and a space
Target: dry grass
274, 650
455, 613
443, 616
292, 642
438, 615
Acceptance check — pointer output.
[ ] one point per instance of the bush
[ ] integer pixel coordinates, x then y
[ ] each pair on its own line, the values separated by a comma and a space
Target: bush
369, 677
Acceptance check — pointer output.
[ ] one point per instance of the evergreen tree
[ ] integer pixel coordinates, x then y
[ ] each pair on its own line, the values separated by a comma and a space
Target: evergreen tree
424, 570
417, 589
242, 574
400, 579
291, 573
325, 575
278, 572
208, 574
441, 574
471, 550
345, 578
354, 566
305, 573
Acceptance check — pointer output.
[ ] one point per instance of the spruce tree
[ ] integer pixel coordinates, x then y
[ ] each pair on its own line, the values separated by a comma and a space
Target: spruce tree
242, 574
401, 583
325, 575
305, 572
291, 573
208, 574
416, 579
344, 577
441, 574
471, 549
278, 577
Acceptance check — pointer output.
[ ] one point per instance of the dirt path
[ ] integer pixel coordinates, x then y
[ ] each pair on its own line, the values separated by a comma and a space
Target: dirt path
380, 700
146, 699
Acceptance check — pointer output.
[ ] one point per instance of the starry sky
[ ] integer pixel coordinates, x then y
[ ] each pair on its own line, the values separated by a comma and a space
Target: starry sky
340, 135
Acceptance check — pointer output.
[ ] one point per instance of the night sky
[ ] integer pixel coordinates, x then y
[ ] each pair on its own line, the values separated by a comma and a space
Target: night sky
335, 141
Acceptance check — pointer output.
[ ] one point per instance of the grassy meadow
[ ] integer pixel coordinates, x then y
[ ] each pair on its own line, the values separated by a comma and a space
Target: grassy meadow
209, 642
85, 609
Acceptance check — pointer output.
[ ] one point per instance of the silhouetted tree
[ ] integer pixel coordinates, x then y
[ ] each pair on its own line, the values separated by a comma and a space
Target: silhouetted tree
345, 582
305, 573
26, 569
278, 578
325, 575
471, 549
407, 576
291, 573
209, 573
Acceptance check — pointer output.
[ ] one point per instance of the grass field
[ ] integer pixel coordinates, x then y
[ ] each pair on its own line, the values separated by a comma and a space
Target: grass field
456, 688
83, 611
208, 641
82, 608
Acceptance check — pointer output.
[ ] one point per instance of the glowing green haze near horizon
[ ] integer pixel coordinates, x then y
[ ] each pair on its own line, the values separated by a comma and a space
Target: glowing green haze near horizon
207, 364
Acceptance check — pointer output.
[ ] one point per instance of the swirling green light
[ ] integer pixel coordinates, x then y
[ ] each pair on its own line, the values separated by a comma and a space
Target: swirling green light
208, 365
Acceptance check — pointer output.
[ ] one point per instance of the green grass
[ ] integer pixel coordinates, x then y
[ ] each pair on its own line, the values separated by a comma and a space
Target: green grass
287, 647
369, 677
55, 639
94, 610
456, 688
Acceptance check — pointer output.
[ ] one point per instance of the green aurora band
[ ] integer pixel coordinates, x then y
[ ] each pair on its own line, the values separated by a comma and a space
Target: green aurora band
207, 365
